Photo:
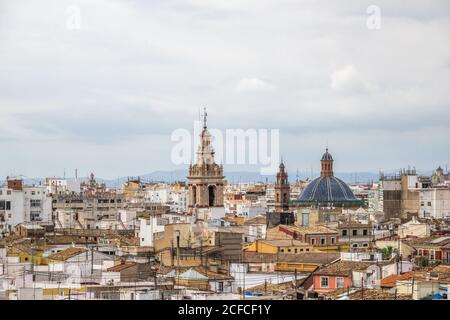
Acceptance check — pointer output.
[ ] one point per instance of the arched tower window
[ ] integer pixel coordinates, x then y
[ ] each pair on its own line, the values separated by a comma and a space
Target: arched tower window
194, 195
211, 195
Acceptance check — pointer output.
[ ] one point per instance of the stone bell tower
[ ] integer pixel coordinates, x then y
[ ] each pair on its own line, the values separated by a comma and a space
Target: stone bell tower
205, 179
282, 190
281, 213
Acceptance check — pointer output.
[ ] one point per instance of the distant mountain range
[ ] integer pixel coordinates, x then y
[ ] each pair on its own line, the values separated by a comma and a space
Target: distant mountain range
247, 176
231, 177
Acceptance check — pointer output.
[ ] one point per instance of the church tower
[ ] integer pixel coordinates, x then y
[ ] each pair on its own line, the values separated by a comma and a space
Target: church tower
205, 179
282, 190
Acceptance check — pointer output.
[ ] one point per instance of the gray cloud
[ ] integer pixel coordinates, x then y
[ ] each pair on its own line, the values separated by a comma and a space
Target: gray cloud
137, 70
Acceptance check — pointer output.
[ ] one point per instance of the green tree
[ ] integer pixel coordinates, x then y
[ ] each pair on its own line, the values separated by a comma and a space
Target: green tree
387, 252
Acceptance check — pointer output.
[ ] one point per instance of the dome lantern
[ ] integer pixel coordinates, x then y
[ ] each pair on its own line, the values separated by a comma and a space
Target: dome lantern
327, 165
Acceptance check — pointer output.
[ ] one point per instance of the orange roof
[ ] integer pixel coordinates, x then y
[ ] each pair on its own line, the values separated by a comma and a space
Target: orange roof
391, 280
121, 267
66, 254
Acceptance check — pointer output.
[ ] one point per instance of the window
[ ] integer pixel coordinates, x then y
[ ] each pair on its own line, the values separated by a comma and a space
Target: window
420, 252
8, 192
35, 216
324, 282
365, 232
355, 232
344, 233
365, 245
339, 282
5, 205
313, 241
333, 240
35, 203
281, 250
429, 203
289, 250
322, 241
432, 255
296, 250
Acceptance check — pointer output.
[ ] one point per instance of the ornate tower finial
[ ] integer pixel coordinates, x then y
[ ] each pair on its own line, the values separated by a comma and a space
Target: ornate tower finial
205, 114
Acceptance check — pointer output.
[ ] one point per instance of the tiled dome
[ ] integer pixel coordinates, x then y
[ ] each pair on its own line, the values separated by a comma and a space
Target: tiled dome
327, 156
327, 190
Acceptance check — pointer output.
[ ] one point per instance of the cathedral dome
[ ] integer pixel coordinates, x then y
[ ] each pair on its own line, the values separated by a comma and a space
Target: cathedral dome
327, 190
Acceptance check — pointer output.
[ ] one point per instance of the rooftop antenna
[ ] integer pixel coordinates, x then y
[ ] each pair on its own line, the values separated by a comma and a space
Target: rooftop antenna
296, 177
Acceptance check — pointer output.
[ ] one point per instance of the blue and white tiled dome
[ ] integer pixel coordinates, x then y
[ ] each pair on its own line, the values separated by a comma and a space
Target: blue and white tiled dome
327, 189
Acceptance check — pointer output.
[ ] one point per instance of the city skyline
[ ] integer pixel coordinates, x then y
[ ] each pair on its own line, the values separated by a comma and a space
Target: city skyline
224, 158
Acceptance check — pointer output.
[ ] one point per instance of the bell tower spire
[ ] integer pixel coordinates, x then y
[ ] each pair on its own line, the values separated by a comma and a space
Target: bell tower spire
205, 114
205, 178
282, 190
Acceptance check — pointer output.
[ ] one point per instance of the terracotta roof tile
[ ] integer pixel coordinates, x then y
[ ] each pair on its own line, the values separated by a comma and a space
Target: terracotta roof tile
121, 267
66, 254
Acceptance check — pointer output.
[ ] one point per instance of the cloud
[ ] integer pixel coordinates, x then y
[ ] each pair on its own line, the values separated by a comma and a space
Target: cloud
254, 85
349, 79
137, 70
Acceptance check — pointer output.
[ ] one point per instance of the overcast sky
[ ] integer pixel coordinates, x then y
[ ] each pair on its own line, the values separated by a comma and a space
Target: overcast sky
107, 96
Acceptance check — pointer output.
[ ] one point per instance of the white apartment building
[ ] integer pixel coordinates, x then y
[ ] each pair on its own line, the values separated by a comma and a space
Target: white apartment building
249, 211
375, 198
24, 204
434, 203
148, 226
175, 197
56, 185
414, 228
245, 208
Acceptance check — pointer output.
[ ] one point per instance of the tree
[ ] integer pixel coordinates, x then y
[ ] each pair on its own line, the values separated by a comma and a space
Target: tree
387, 252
